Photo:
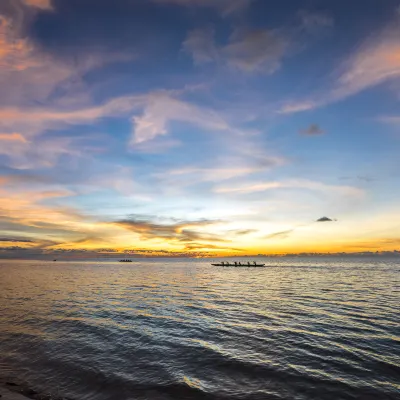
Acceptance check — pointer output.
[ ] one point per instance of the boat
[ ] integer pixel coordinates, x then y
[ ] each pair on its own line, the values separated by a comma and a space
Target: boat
125, 260
238, 264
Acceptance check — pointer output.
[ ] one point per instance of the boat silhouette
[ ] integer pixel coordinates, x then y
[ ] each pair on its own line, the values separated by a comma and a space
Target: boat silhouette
125, 260
238, 264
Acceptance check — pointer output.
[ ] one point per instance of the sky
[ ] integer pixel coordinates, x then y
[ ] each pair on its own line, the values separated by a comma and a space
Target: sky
199, 127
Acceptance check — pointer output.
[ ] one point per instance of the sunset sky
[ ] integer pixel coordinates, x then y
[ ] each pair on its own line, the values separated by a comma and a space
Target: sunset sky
199, 127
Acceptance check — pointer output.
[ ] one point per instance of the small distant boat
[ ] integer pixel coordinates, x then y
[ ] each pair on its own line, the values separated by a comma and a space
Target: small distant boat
238, 264
125, 260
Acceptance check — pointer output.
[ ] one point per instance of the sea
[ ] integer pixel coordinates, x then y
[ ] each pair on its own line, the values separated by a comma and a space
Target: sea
321, 328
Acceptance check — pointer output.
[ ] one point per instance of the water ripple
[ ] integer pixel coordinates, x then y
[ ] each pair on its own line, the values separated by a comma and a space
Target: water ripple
183, 330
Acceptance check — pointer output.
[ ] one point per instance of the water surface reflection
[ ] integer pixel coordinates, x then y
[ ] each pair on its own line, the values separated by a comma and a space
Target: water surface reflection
300, 329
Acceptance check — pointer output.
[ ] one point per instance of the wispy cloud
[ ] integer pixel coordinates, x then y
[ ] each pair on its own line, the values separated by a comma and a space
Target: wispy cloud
229, 168
294, 183
362, 178
200, 44
15, 240
279, 235
150, 114
157, 145
251, 50
26, 72
32, 75
243, 232
374, 62
196, 175
247, 50
315, 21
12, 137
249, 188
40, 152
39, 214
259, 50
390, 119
42, 4
181, 231
298, 106
161, 108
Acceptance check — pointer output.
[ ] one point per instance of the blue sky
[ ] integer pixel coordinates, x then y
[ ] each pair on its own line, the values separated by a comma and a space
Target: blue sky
198, 127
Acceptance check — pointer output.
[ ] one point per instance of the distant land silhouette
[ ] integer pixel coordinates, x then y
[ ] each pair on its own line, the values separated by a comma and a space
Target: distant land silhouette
26, 254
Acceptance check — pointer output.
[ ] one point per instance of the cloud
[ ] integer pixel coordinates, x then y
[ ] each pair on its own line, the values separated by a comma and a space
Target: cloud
200, 44
363, 178
175, 232
257, 50
312, 130
14, 51
29, 208
41, 151
51, 225
197, 174
315, 21
29, 212
253, 187
152, 112
374, 62
298, 106
324, 219
243, 232
157, 145
279, 235
160, 108
227, 169
13, 137
16, 177
203, 247
366, 178
15, 240
254, 50
249, 188
393, 119
42, 4
226, 7
31, 75
247, 50
26, 72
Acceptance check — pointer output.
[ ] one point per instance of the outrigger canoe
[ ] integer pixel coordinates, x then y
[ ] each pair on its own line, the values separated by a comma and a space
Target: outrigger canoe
238, 265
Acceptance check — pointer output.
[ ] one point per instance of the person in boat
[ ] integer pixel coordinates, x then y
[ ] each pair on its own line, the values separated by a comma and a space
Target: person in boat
235, 263
248, 263
254, 262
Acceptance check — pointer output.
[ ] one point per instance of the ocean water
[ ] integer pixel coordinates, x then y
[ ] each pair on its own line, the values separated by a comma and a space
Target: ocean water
181, 329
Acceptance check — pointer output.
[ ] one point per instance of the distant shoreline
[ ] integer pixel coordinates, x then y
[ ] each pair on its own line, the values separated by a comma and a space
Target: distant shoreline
135, 257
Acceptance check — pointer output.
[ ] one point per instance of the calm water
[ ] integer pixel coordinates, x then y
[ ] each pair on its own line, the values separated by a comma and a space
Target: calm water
300, 329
